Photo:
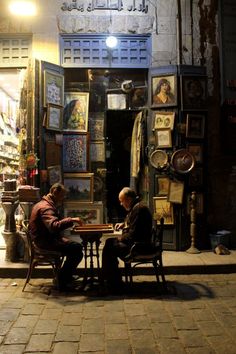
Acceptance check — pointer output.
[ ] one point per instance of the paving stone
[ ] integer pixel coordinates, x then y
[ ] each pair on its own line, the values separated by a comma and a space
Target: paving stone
116, 331
65, 347
146, 350
115, 317
17, 336
142, 338
159, 316
72, 319
7, 314
202, 315
201, 350
68, 333
91, 326
4, 327
134, 309
32, 309
91, 343
118, 346
211, 328
170, 346
164, 330
26, 321
52, 314
94, 313
192, 338
185, 322
40, 342
138, 322
12, 349
45, 326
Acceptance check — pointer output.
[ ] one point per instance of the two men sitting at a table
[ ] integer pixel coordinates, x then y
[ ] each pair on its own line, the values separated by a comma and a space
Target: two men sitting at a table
137, 227
46, 228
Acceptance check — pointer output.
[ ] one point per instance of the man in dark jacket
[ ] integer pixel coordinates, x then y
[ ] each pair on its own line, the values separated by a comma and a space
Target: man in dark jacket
137, 227
46, 228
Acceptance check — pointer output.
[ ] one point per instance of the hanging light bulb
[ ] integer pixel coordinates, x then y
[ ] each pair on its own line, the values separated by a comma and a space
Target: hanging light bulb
111, 42
22, 8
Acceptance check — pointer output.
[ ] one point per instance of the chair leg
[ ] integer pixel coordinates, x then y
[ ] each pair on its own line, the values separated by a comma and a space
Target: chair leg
29, 273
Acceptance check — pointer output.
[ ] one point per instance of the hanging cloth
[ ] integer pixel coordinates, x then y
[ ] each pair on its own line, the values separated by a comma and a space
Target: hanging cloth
135, 151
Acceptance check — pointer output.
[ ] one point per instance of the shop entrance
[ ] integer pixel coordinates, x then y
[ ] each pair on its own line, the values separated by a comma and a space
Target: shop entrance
119, 126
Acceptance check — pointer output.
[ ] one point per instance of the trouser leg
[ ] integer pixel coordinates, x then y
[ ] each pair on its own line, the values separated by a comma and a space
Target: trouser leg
111, 251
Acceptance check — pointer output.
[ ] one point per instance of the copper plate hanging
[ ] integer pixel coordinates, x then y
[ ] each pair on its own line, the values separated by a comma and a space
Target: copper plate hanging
158, 158
182, 161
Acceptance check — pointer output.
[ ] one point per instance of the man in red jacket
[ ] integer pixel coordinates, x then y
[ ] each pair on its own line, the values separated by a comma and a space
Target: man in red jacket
46, 228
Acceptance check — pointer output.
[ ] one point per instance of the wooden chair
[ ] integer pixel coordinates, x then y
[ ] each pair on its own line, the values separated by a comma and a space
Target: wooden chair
41, 257
143, 253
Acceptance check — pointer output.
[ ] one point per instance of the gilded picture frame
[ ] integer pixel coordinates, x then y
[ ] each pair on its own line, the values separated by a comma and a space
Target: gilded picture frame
193, 92
164, 90
176, 192
195, 126
54, 117
163, 138
75, 114
79, 187
163, 120
163, 209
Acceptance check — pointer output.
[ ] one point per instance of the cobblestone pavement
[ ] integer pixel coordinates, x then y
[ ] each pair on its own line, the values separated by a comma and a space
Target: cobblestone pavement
197, 316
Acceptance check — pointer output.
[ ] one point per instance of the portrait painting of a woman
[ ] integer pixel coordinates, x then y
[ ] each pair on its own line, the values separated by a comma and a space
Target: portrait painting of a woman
164, 91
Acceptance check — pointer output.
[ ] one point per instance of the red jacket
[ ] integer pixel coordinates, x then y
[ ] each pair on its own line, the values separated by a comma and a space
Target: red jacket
45, 225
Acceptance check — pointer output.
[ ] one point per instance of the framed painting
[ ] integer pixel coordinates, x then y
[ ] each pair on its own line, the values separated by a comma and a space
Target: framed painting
116, 101
176, 192
194, 92
163, 138
54, 117
90, 213
97, 151
79, 186
53, 88
75, 152
195, 126
197, 151
164, 90
163, 120
161, 185
163, 209
54, 174
75, 115
96, 128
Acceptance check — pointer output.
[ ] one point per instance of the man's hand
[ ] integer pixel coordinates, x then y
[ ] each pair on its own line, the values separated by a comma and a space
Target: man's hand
78, 221
119, 226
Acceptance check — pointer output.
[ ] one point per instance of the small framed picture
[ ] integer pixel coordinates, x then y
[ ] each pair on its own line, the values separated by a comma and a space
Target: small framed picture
53, 88
197, 151
163, 138
75, 116
163, 209
116, 101
54, 117
161, 186
196, 177
195, 126
163, 120
176, 192
194, 92
79, 186
89, 213
75, 150
164, 91
97, 151
96, 128
54, 174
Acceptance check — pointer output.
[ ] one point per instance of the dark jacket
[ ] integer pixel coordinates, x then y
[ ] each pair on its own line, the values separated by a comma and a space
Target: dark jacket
138, 224
45, 225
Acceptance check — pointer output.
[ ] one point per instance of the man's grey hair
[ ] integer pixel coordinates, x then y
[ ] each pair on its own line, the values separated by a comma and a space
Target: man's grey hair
128, 192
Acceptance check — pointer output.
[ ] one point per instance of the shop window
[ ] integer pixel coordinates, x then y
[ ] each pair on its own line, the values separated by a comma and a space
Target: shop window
91, 51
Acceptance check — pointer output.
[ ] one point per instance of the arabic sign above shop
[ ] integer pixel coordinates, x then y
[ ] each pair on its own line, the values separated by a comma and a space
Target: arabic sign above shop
133, 5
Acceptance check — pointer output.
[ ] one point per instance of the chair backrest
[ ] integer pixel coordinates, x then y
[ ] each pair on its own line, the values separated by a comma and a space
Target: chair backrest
158, 235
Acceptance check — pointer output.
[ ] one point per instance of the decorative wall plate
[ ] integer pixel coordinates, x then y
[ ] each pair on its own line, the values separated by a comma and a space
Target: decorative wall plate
182, 161
158, 158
